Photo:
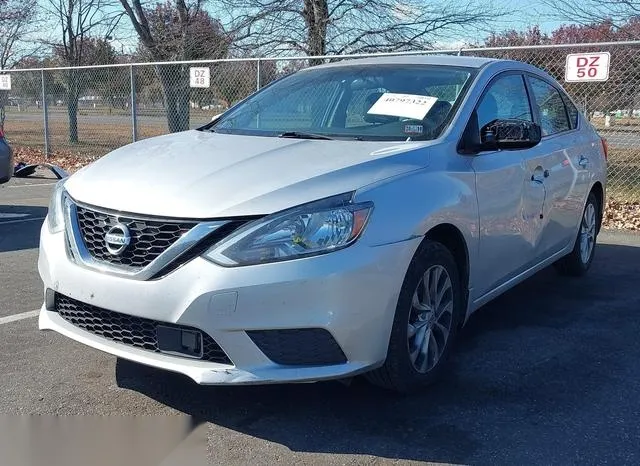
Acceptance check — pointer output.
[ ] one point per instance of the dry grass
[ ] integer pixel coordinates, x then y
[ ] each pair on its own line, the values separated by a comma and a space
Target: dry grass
99, 131
633, 123
624, 175
96, 139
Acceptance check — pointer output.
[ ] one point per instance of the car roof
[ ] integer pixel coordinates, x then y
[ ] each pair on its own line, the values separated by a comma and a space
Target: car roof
446, 60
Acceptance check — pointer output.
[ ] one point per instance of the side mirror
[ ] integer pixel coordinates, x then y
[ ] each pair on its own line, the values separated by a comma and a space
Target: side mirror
509, 135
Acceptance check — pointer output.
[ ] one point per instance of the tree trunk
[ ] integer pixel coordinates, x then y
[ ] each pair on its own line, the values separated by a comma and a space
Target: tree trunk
316, 17
73, 94
175, 88
4, 99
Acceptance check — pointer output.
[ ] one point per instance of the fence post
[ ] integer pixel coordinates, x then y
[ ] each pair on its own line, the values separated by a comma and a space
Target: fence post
134, 110
258, 74
45, 114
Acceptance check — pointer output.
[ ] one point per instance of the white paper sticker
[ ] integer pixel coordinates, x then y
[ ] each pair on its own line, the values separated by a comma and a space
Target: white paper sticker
403, 105
5, 82
199, 77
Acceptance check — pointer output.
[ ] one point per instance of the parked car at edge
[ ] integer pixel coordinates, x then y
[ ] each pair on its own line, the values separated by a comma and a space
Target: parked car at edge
6, 159
345, 219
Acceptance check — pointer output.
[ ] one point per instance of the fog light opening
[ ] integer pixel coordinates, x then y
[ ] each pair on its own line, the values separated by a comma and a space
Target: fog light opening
179, 342
50, 300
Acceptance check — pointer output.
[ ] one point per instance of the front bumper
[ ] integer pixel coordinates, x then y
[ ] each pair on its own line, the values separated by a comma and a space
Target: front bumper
351, 293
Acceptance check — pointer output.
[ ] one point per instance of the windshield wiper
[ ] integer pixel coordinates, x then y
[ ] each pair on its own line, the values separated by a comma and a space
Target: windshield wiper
302, 135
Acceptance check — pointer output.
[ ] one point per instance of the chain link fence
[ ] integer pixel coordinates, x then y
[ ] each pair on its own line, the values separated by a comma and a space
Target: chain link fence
93, 110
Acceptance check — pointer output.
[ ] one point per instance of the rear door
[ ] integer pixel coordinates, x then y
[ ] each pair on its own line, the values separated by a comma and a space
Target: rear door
560, 159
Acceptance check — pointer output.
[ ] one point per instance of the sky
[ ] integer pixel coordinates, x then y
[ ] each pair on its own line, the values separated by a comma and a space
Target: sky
521, 14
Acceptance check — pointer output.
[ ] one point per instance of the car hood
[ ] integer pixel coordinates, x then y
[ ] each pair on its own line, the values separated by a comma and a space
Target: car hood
198, 174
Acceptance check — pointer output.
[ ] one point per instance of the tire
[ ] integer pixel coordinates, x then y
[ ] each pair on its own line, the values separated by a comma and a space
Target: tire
400, 372
576, 264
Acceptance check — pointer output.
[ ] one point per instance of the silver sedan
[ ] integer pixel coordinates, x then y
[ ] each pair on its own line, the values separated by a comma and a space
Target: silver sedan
346, 219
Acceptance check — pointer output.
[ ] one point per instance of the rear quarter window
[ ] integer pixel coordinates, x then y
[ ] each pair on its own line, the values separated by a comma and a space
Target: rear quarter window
572, 111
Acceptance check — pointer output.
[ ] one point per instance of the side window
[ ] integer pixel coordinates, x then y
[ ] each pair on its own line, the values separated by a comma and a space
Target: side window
506, 99
553, 114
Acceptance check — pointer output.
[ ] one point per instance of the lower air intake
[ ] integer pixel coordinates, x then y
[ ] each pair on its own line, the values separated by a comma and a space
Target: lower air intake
129, 330
299, 347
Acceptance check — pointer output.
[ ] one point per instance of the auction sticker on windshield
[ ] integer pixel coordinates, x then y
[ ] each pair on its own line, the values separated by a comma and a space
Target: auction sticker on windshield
403, 105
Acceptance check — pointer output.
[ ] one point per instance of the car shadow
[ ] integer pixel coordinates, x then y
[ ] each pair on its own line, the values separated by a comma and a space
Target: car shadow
542, 357
20, 227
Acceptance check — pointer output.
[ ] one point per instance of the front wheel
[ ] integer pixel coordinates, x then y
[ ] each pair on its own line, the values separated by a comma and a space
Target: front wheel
426, 322
578, 261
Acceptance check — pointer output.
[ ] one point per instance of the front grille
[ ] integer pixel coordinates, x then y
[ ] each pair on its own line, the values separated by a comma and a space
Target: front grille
149, 238
299, 347
128, 330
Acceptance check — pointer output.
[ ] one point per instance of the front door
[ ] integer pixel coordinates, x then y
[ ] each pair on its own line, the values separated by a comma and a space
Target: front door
509, 202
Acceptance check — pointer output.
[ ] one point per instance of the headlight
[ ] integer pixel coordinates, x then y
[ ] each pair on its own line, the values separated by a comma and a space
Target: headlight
55, 216
308, 230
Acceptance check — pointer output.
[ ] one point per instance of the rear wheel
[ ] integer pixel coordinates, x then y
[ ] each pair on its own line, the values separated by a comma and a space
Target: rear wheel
426, 321
577, 263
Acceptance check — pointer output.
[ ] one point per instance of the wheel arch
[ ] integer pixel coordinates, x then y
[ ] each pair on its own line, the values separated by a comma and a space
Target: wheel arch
598, 190
453, 239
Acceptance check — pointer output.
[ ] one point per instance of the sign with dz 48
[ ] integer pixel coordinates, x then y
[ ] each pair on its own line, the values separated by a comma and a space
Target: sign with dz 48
5, 82
199, 77
587, 67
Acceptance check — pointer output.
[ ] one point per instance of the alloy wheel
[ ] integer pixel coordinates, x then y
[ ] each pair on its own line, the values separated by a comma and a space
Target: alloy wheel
587, 233
430, 318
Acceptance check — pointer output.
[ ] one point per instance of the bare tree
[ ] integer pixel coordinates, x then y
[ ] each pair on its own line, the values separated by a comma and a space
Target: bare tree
617, 13
319, 27
176, 30
5, 12
17, 22
81, 23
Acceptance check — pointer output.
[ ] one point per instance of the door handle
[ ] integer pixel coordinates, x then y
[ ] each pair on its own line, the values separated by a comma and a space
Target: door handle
583, 162
539, 175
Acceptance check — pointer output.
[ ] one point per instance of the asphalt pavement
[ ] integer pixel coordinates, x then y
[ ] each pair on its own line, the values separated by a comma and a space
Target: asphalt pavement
546, 374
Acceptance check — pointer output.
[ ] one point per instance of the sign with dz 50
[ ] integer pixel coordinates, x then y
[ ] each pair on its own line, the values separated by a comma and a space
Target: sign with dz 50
587, 67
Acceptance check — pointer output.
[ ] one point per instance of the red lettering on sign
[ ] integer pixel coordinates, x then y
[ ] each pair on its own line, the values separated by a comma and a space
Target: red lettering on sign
587, 66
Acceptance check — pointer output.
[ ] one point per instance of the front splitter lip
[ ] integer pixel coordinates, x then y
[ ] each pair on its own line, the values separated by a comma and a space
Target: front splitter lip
203, 373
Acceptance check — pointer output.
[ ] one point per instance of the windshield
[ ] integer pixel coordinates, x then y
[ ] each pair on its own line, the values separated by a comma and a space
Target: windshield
363, 102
